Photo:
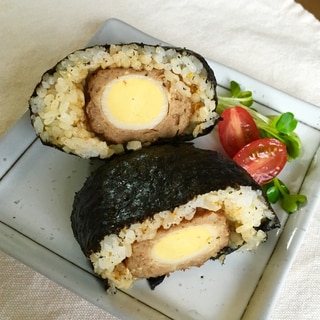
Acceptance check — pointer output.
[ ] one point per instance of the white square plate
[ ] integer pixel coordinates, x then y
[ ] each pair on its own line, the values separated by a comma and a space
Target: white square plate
37, 187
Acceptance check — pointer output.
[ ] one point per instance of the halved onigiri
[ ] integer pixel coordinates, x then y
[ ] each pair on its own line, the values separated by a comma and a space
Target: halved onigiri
103, 100
165, 208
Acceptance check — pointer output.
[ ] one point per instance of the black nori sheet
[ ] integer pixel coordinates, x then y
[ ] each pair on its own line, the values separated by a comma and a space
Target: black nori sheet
132, 187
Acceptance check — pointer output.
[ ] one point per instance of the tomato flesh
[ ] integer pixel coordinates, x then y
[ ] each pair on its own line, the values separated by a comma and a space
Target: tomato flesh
263, 159
236, 129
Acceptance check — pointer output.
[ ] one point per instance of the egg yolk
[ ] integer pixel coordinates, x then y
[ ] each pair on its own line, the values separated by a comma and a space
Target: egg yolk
183, 244
134, 102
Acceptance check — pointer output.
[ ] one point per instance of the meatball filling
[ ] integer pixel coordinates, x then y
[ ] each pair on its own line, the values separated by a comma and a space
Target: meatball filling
126, 105
189, 243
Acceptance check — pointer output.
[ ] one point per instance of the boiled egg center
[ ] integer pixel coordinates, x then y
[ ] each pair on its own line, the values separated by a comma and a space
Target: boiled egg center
134, 102
183, 244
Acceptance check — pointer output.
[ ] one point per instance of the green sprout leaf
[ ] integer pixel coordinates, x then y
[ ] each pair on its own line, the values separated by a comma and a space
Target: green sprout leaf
292, 203
294, 145
286, 123
273, 194
235, 89
288, 205
276, 190
238, 97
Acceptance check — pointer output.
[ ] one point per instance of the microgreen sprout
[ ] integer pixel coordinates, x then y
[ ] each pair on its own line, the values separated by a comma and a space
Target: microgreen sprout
276, 191
280, 127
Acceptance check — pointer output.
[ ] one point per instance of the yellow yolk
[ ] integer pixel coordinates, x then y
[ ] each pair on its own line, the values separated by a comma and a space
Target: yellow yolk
182, 244
134, 102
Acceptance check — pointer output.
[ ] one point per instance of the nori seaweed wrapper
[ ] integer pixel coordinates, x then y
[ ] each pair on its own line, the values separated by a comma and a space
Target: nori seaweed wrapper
133, 187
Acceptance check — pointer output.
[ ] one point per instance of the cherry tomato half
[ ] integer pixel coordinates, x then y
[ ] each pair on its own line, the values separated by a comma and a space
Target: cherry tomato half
236, 129
262, 158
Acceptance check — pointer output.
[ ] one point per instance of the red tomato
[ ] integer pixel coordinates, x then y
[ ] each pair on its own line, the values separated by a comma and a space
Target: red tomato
236, 129
263, 158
